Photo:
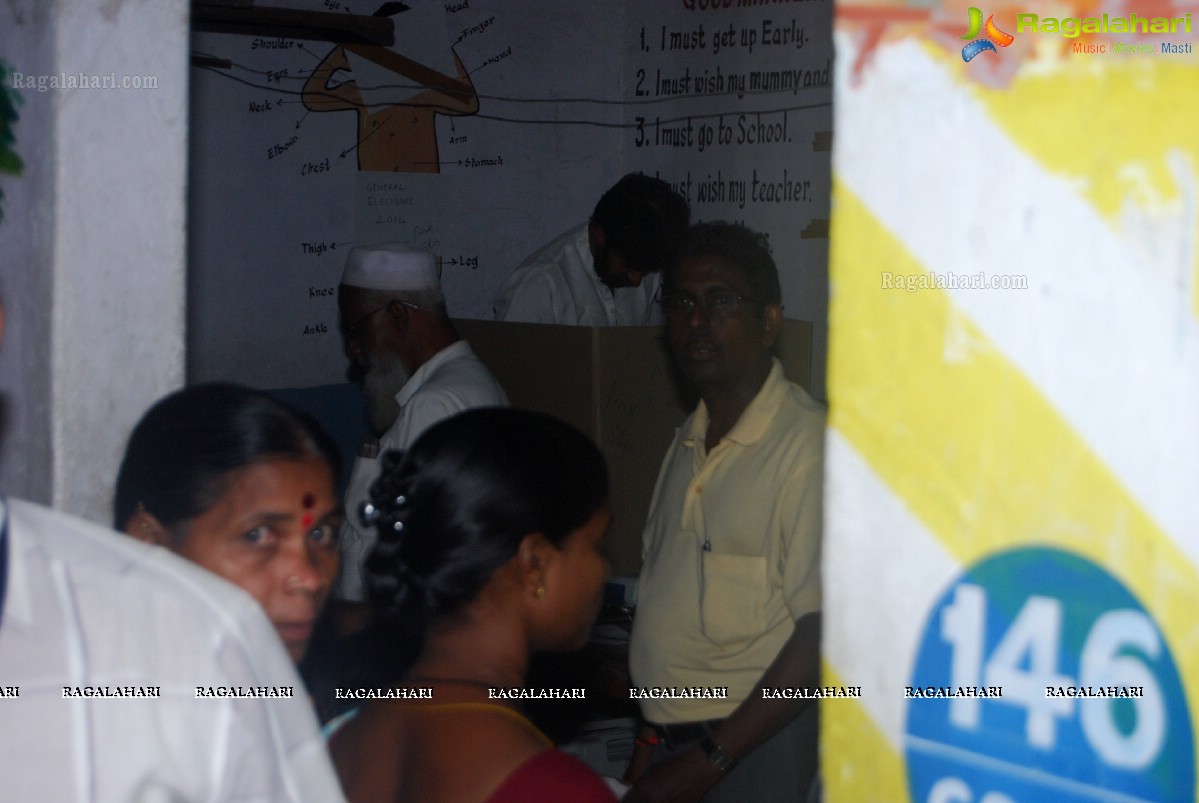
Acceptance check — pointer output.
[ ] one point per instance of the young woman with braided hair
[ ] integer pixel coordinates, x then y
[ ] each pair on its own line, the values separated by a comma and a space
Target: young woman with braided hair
489, 539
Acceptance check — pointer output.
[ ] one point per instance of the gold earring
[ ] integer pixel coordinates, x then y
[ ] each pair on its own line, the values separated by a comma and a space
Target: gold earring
140, 510
540, 592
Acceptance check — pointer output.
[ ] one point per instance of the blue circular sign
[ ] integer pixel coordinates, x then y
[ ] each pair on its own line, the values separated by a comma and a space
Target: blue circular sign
1040, 677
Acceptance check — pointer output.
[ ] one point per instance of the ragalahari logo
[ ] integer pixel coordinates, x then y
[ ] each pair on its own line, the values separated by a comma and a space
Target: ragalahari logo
994, 36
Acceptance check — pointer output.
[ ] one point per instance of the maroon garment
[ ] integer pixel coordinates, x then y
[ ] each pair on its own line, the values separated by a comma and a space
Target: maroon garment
549, 777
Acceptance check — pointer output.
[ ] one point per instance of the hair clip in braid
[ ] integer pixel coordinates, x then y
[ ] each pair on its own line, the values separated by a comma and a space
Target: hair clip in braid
369, 514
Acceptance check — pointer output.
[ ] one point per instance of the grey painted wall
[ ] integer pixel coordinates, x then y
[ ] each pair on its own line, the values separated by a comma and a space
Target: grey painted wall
92, 267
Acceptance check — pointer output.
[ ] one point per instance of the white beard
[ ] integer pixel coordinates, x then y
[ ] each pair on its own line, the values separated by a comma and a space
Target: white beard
385, 375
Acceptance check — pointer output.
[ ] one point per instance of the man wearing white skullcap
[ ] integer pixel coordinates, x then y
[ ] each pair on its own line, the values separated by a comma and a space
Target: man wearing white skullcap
414, 368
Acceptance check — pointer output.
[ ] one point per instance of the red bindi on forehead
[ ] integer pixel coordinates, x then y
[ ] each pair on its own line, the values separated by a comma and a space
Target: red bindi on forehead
308, 501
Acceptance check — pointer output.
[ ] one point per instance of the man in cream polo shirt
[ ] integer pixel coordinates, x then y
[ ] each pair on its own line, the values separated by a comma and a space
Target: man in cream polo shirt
729, 594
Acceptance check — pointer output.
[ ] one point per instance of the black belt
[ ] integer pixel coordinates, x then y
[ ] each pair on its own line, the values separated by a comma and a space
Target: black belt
681, 733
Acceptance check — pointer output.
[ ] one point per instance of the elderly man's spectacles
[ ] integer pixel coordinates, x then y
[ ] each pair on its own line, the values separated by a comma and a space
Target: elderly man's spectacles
352, 329
715, 304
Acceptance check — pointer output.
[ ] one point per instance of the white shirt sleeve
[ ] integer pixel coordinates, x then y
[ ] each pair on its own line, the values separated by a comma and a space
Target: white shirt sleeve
139, 676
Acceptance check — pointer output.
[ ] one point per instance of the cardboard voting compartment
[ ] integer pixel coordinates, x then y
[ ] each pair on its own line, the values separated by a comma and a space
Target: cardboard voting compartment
617, 385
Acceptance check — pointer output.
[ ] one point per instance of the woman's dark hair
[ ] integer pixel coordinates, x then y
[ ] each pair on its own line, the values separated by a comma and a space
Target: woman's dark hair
181, 452
455, 507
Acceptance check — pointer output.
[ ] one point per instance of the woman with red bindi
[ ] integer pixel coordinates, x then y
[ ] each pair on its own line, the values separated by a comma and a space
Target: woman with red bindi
242, 485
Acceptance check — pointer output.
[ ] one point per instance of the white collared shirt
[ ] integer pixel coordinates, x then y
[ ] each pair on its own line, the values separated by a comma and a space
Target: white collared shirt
452, 381
558, 284
106, 641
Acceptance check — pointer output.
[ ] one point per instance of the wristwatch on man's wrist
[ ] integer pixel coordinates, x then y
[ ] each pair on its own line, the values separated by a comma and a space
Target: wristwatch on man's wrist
717, 754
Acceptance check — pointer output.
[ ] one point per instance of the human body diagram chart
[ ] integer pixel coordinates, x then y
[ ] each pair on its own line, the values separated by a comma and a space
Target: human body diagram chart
486, 130
394, 97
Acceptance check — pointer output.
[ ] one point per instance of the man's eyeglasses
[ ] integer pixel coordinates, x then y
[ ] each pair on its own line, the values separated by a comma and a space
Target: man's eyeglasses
352, 329
715, 304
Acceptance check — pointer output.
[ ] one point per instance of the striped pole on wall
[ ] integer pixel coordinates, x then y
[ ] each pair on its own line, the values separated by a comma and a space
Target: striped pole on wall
1012, 534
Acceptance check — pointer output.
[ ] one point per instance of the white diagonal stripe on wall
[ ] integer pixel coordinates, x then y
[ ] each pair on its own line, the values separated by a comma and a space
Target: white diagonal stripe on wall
1113, 316
874, 538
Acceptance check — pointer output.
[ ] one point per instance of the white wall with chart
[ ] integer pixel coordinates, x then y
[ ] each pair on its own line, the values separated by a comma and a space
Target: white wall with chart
487, 130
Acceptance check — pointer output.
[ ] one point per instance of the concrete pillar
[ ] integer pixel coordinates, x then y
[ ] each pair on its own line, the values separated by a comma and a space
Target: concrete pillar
1013, 375
92, 247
